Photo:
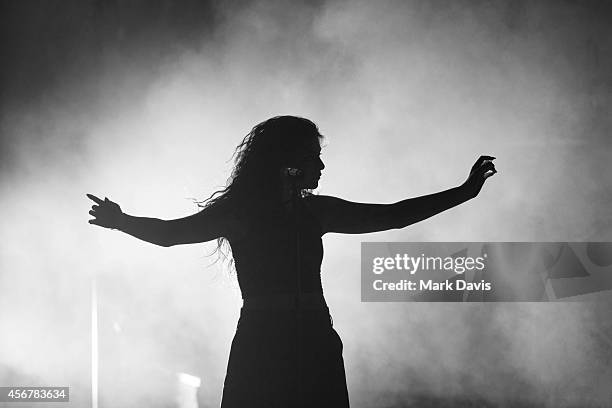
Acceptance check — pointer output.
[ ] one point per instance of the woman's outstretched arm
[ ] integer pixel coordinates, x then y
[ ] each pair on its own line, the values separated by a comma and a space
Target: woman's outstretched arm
337, 215
206, 225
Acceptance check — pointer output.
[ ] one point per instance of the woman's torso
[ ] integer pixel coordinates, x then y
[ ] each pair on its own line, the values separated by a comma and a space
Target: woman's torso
266, 254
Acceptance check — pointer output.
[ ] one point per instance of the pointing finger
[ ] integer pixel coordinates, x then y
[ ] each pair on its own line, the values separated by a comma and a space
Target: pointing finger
94, 198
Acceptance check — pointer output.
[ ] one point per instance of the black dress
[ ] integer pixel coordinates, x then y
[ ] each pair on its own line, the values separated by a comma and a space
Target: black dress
279, 357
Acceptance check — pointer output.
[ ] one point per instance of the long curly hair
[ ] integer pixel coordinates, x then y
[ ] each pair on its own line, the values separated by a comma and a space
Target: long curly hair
254, 186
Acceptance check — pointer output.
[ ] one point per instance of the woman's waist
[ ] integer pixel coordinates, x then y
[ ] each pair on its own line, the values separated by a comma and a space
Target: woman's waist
312, 301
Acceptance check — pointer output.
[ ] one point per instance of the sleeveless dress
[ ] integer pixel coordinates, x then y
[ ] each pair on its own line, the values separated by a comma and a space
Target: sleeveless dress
277, 358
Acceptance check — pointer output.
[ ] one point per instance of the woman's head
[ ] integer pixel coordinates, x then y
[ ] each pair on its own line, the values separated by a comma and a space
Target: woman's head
274, 144
277, 143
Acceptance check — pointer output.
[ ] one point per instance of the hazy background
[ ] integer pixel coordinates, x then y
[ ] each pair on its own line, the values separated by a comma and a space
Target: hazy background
144, 102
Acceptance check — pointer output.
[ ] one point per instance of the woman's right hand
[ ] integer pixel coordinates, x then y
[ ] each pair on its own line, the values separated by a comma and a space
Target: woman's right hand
481, 170
107, 213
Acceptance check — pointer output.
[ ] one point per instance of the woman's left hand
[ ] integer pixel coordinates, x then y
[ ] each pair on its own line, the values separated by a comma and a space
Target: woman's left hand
481, 170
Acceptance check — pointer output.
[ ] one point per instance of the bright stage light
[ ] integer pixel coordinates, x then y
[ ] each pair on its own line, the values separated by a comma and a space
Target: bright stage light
189, 380
187, 390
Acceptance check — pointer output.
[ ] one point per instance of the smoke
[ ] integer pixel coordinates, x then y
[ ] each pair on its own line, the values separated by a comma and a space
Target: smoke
144, 102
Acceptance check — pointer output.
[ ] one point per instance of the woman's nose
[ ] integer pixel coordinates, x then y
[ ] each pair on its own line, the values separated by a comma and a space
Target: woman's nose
321, 164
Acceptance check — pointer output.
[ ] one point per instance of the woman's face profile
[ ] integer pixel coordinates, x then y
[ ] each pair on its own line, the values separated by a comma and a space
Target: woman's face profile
309, 161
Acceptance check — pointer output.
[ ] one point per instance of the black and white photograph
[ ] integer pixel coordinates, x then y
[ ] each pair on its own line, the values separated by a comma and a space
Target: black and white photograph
314, 203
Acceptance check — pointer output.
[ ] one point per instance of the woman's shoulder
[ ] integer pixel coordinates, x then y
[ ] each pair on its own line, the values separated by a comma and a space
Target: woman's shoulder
319, 206
231, 216
333, 212
319, 203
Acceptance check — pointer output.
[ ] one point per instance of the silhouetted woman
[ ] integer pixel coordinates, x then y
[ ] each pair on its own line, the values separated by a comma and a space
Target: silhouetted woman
285, 352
